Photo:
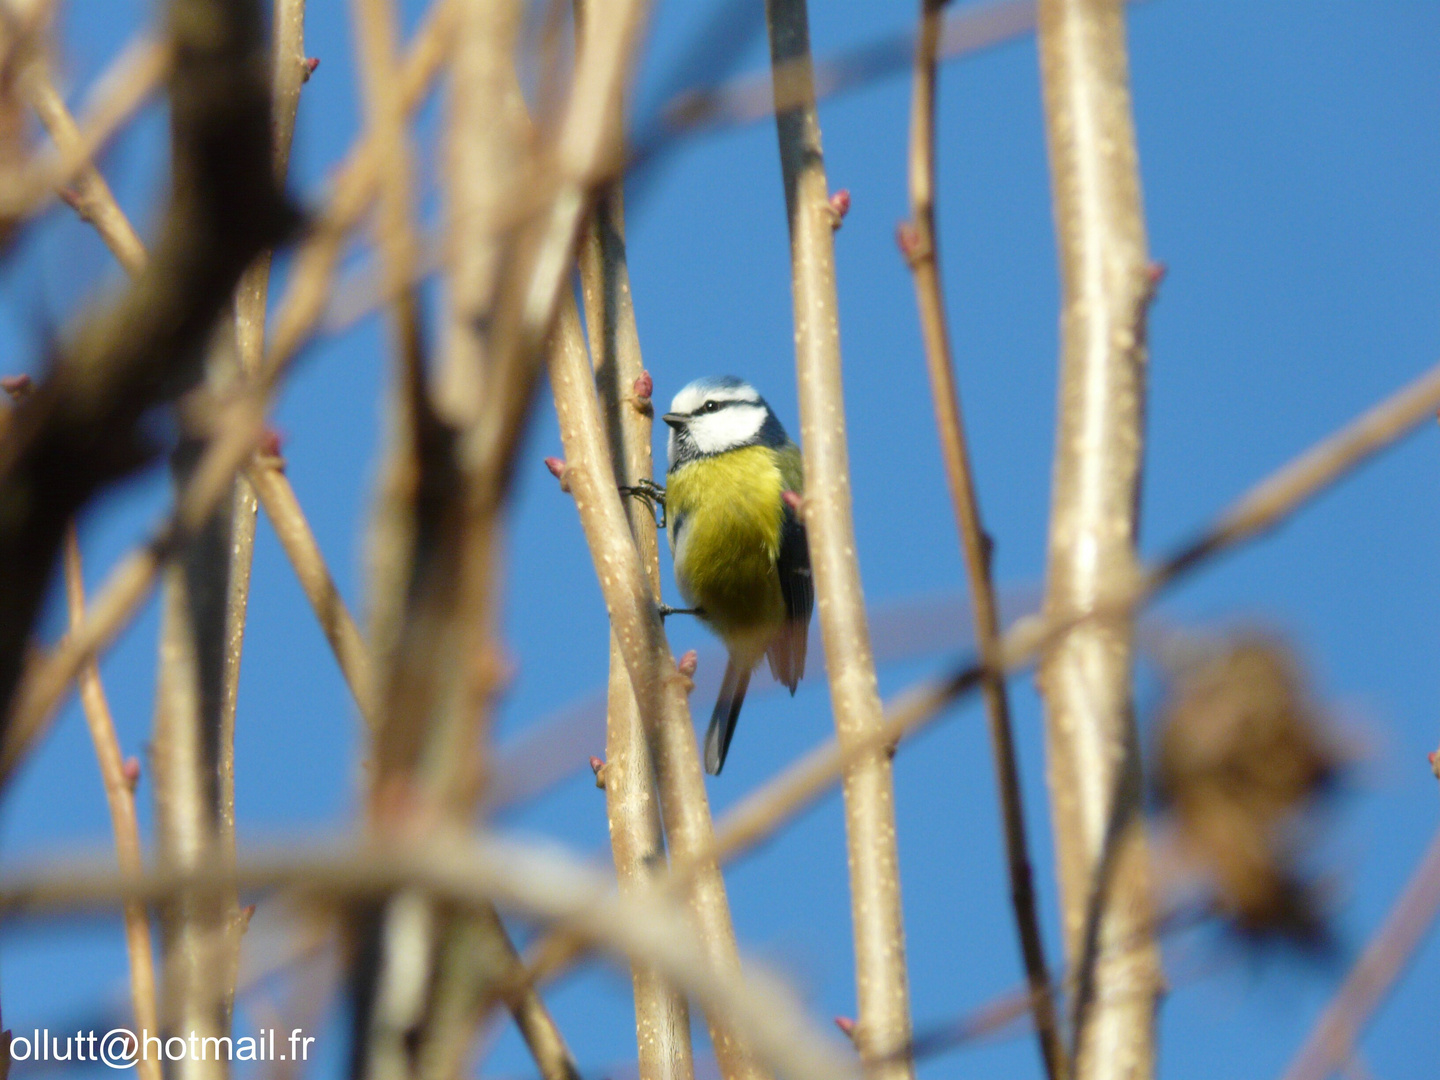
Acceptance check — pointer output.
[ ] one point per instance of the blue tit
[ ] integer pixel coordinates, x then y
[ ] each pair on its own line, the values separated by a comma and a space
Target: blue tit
740, 553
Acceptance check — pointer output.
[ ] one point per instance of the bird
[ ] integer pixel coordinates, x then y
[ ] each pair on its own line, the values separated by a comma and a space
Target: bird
739, 547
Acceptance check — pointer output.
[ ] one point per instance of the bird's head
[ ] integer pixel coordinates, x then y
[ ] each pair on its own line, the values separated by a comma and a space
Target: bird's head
717, 414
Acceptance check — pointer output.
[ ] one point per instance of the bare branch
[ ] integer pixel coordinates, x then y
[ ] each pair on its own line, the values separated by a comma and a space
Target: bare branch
90, 195
542, 884
283, 509
118, 95
920, 245
660, 690
662, 1017
1091, 742
882, 984
80, 430
120, 797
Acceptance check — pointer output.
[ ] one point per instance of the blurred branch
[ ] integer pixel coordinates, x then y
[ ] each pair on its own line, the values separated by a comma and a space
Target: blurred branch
120, 797
200, 933
748, 99
920, 245
266, 473
661, 692
118, 95
662, 1016
81, 430
89, 195
203, 626
1084, 676
1331, 1043
882, 985
352, 192
538, 883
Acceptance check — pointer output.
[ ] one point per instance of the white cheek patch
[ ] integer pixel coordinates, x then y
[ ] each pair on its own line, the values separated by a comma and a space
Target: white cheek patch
734, 425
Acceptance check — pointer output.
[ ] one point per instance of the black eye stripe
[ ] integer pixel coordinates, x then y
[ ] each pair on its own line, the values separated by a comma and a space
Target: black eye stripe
716, 406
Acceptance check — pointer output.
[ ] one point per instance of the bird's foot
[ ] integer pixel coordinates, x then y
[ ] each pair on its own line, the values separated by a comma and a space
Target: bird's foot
666, 611
651, 494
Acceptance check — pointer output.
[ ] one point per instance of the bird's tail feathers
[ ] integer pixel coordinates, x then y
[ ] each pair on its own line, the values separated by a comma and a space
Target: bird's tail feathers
787, 654
722, 720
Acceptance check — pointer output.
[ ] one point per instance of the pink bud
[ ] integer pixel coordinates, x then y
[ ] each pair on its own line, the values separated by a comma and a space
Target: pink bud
687, 664
644, 386
846, 1025
17, 386
309, 67
840, 206
907, 238
793, 499
131, 771
271, 443
1156, 273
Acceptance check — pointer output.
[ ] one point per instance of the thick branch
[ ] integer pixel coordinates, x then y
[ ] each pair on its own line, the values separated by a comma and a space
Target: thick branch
1085, 677
882, 984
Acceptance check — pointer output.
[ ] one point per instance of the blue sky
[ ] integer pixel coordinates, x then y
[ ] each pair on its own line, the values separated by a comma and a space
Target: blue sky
1289, 156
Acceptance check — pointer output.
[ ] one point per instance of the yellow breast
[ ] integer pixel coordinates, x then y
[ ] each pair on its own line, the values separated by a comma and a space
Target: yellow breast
730, 514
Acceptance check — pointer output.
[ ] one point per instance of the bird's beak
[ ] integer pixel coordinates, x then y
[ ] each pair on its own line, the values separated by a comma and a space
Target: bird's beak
675, 419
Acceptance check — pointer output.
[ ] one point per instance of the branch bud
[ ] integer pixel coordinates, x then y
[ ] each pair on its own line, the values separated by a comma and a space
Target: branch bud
557, 469
687, 664
913, 246
839, 207
597, 766
17, 386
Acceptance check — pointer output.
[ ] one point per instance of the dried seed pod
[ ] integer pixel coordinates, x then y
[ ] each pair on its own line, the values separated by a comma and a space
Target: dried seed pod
1243, 755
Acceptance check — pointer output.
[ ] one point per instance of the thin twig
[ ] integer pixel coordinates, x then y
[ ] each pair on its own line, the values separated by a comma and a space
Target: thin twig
118, 95
1331, 1041
1084, 677
882, 984
660, 690
120, 797
749, 98
89, 195
920, 245
298, 541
